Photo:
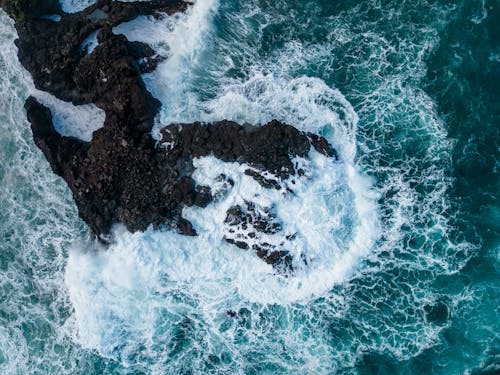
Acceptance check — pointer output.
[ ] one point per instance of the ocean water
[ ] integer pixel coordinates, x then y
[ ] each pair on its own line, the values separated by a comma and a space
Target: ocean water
401, 234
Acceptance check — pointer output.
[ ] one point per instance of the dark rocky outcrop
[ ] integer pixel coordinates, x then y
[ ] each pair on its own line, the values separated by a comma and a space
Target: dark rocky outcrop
269, 148
51, 51
123, 175
120, 178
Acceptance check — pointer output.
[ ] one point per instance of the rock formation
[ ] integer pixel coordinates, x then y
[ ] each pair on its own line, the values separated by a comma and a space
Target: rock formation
123, 175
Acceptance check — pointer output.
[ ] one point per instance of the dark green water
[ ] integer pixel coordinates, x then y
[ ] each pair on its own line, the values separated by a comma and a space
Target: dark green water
414, 87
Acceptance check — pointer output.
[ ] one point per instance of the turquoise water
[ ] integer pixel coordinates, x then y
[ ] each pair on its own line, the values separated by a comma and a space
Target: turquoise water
408, 93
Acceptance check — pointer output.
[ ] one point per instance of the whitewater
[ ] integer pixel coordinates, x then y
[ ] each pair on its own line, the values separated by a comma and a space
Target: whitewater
387, 283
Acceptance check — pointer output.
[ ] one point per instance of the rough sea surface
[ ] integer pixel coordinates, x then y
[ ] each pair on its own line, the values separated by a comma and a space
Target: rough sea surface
404, 233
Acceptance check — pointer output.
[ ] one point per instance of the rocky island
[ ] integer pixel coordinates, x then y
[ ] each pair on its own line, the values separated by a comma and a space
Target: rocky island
123, 175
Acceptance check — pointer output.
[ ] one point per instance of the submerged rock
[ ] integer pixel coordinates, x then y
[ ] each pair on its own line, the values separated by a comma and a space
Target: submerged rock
123, 175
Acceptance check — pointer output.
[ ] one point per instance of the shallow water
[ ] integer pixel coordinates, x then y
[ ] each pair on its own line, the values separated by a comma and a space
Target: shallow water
402, 231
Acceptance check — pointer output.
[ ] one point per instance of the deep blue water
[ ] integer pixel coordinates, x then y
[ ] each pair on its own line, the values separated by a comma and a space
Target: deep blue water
406, 89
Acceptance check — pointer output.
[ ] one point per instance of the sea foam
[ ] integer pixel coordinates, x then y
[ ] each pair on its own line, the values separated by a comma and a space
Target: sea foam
78, 121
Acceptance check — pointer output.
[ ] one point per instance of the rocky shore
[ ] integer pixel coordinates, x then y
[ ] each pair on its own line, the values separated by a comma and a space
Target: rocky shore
123, 175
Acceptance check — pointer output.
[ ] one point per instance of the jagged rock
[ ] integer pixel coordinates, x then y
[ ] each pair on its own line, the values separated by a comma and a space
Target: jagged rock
250, 226
270, 148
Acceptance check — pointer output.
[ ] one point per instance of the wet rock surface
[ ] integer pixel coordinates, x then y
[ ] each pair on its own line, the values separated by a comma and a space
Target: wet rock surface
252, 227
123, 175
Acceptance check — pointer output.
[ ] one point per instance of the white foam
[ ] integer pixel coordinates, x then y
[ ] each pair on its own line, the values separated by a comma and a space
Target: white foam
73, 6
70, 120
181, 38
334, 213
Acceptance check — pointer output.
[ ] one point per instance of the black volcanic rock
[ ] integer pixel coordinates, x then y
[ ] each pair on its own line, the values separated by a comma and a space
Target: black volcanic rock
51, 51
268, 148
247, 229
123, 175
110, 77
118, 178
